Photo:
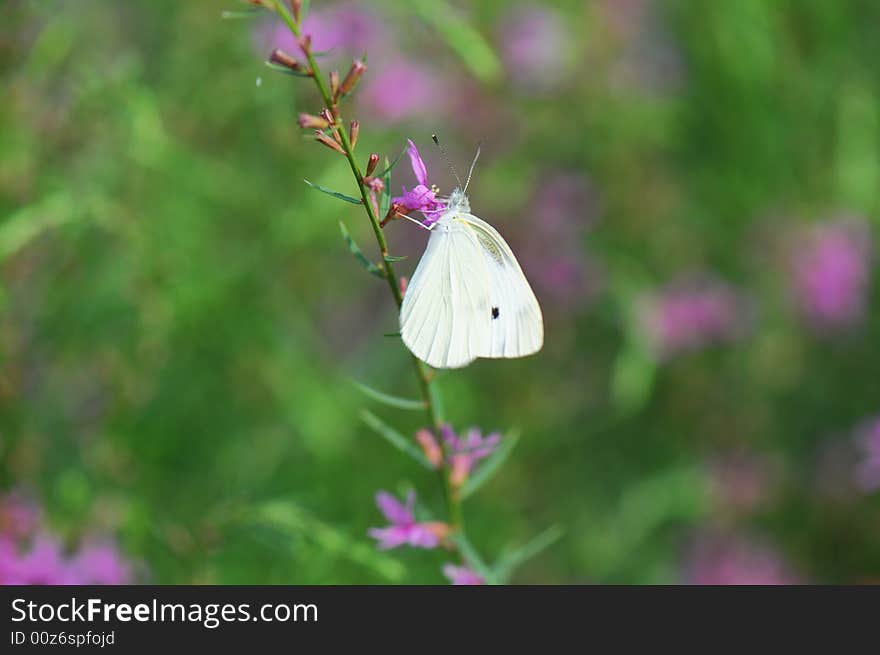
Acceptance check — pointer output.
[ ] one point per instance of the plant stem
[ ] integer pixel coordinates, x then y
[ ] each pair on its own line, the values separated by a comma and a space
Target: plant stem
425, 383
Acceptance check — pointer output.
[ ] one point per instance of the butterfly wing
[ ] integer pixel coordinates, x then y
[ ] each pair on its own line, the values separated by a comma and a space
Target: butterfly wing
443, 319
515, 320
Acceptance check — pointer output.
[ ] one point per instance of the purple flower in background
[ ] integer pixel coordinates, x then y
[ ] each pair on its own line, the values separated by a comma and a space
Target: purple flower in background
400, 89
42, 564
99, 562
562, 208
691, 316
404, 529
420, 197
829, 270
642, 54
461, 575
868, 468
343, 28
733, 560
536, 47
30, 554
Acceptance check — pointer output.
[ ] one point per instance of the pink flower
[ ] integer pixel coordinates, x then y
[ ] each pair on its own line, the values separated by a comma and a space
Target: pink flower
536, 48
829, 274
562, 208
404, 529
691, 316
461, 575
462, 453
42, 564
99, 562
465, 452
400, 89
29, 554
420, 197
732, 560
343, 28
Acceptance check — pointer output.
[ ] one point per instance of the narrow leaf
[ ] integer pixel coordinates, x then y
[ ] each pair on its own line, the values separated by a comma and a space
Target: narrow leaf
472, 558
368, 266
391, 334
392, 258
335, 194
395, 438
278, 68
513, 560
490, 466
388, 399
385, 200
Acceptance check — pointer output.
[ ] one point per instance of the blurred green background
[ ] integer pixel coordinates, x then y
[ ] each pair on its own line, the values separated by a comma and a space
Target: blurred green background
180, 320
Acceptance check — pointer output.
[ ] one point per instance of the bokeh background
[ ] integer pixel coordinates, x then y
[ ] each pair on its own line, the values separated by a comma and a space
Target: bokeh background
692, 188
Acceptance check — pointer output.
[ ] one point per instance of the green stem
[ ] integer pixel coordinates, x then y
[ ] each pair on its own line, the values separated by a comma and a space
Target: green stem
427, 391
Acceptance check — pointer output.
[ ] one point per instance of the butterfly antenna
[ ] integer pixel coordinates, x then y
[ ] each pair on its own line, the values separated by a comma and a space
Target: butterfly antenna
446, 158
471, 169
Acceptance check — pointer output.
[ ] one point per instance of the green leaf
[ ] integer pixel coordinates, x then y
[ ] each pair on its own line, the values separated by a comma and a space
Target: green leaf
335, 194
395, 438
392, 258
278, 68
472, 558
462, 37
385, 200
368, 266
391, 334
506, 565
393, 401
491, 466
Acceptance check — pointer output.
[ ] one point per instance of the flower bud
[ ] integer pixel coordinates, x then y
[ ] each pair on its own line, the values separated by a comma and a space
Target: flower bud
310, 121
353, 130
296, 8
327, 116
372, 162
305, 43
460, 469
403, 282
327, 141
281, 58
334, 85
429, 445
438, 529
358, 68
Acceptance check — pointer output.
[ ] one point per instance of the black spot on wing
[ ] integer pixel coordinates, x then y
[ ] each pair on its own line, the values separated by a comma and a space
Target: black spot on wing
495, 312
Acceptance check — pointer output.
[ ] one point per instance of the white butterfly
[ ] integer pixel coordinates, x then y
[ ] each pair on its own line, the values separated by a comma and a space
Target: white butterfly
468, 297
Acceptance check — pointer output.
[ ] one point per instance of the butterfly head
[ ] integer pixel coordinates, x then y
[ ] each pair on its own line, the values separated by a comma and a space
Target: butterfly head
458, 202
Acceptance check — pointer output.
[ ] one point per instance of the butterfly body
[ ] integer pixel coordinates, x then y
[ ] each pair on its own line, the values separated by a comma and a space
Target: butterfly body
468, 297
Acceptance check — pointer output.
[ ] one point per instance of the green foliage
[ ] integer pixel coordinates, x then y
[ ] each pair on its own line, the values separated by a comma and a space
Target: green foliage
179, 324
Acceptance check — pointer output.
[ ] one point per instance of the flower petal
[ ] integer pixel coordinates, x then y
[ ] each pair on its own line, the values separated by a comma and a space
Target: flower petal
390, 537
395, 511
418, 165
